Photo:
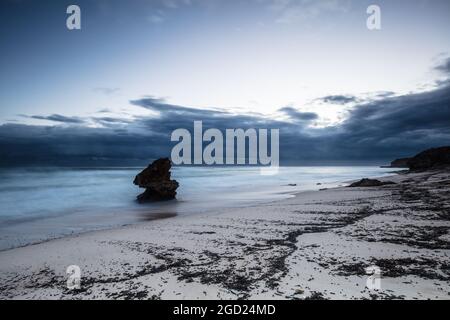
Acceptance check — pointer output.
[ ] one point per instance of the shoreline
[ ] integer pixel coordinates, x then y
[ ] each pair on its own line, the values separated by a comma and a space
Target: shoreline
141, 214
296, 248
154, 218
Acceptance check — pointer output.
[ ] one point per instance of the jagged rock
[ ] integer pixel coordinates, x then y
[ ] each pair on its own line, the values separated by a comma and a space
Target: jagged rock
370, 183
430, 159
156, 180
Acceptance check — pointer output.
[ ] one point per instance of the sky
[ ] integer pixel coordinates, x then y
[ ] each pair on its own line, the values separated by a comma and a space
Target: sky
137, 69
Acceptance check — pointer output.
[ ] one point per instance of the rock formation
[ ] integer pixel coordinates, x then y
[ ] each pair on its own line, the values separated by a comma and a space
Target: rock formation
430, 159
370, 183
156, 181
400, 163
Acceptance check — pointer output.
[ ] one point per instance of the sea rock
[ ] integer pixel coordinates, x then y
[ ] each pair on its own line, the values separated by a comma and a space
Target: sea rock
431, 159
370, 183
156, 181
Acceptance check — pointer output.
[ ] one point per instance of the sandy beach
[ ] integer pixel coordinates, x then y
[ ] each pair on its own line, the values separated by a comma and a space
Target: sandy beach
315, 245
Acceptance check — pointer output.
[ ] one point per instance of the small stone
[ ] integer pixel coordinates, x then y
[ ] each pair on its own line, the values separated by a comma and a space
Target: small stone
370, 183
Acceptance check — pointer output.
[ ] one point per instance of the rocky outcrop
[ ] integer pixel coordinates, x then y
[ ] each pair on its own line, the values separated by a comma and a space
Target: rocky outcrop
431, 159
370, 183
156, 181
400, 163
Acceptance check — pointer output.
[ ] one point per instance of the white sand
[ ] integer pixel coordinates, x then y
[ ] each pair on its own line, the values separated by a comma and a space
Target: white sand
314, 245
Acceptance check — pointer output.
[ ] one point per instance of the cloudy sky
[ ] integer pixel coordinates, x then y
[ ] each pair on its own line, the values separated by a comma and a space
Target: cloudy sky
137, 69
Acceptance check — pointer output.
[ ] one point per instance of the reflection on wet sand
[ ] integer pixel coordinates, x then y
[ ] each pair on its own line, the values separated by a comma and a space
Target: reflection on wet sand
150, 216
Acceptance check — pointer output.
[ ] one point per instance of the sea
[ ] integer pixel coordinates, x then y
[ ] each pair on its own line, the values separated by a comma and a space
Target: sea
39, 204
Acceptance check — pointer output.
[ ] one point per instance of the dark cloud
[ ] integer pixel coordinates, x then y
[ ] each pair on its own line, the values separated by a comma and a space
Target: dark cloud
294, 114
385, 94
59, 118
106, 121
396, 126
77, 146
379, 130
338, 99
444, 66
172, 117
159, 105
105, 110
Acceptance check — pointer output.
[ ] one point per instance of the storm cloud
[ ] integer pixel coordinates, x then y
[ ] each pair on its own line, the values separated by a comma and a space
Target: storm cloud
374, 131
338, 99
294, 114
58, 118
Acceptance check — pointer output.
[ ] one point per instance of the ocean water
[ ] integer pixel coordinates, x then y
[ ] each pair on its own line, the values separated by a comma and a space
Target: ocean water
43, 203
